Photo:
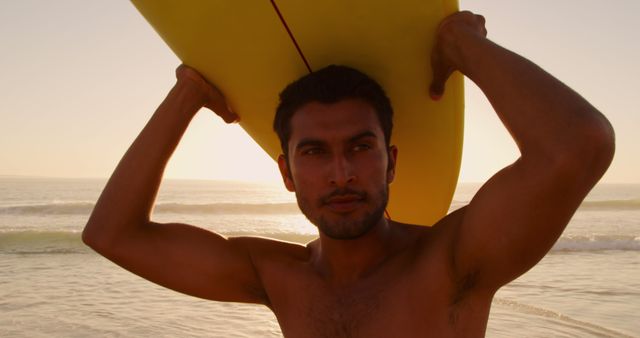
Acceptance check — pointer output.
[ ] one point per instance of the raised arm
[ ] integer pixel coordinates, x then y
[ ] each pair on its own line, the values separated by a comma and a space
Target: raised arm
566, 145
182, 257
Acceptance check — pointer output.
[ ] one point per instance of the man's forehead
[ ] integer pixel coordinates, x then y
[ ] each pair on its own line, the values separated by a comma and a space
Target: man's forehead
346, 118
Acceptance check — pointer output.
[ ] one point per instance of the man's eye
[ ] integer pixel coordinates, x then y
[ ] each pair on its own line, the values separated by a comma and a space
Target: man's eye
313, 151
361, 147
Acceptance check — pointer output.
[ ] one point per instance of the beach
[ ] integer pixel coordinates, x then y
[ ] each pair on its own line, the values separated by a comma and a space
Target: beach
51, 285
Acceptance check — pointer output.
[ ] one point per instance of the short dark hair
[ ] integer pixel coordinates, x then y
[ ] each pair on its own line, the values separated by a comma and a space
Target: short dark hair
330, 85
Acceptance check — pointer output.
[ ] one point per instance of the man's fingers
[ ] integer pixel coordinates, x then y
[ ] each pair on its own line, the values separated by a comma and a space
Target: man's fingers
441, 73
481, 19
185, 72
483, 23
445, 58
218, 103
222, 109
436, 92
440, 77
214, 99
229, 116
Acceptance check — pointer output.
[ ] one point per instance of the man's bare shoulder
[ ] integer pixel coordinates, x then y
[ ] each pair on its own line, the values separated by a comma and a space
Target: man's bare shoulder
263, 249
282, 267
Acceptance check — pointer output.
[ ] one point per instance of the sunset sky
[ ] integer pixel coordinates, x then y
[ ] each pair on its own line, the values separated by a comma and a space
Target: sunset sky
81, 78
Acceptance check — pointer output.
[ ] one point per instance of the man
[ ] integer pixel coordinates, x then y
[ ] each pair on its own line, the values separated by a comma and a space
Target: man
368, 276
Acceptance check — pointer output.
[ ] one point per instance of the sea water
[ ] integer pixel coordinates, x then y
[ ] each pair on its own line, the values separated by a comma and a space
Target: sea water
51, 285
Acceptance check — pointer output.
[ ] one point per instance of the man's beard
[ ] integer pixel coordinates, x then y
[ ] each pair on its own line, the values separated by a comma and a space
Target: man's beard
348, 228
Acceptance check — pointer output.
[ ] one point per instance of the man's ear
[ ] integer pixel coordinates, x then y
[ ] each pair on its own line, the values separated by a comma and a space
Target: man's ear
391, 165
285, 173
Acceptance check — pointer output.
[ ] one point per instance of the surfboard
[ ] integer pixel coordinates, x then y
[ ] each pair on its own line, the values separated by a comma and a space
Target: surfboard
252, 49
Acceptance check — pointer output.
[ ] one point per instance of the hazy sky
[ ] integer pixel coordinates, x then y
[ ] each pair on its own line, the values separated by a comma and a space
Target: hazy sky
81, 78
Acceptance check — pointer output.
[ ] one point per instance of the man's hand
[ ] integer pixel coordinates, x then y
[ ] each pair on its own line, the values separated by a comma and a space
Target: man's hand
212, 98
446, 57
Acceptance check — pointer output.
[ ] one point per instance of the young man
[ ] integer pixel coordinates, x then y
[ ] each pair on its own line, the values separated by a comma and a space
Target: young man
367, 276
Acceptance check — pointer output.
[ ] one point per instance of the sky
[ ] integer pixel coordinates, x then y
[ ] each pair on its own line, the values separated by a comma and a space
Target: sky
79, 80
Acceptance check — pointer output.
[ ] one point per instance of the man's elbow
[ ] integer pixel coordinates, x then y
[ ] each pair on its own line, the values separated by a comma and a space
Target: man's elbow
91, 237
592, 152
601, 145
100, 237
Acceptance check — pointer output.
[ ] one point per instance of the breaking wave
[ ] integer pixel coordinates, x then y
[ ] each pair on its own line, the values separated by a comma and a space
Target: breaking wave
85, 208
631, 204
597, 243
51, 242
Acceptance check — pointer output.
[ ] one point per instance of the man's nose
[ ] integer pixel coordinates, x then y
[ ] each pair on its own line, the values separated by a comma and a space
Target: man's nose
342, 173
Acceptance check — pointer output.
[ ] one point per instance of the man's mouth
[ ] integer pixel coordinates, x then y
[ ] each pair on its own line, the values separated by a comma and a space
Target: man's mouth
344, 203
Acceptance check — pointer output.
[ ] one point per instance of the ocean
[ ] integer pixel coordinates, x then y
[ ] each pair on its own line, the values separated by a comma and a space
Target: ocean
51, 285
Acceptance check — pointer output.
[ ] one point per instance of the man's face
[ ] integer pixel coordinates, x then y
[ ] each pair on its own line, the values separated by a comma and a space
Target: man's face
339, 166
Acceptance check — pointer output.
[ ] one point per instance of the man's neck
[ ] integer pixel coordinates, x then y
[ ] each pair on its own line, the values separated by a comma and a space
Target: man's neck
343, 262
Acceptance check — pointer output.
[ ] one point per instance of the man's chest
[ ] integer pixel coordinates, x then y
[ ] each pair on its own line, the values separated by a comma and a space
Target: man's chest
381, 307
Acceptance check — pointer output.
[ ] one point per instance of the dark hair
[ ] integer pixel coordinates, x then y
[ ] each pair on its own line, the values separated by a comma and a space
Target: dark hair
330, 85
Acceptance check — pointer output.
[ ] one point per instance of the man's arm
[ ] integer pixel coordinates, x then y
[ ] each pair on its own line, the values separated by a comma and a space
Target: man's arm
566, 145
178, 256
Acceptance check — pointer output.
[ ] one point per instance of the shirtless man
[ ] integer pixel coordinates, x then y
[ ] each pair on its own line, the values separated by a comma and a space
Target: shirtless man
368, 276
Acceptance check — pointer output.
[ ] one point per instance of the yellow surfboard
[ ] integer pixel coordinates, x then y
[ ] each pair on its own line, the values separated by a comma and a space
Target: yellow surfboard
252, 49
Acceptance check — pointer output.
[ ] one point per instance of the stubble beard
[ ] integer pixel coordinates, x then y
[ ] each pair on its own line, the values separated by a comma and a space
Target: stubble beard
347, 227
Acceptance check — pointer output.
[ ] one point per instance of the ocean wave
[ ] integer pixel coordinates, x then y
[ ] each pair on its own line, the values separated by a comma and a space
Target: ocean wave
281, 236
31, 242
572, 326
85, 208
41, 242
61, 208
630, 204
228, 208
595, 243
52, 242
